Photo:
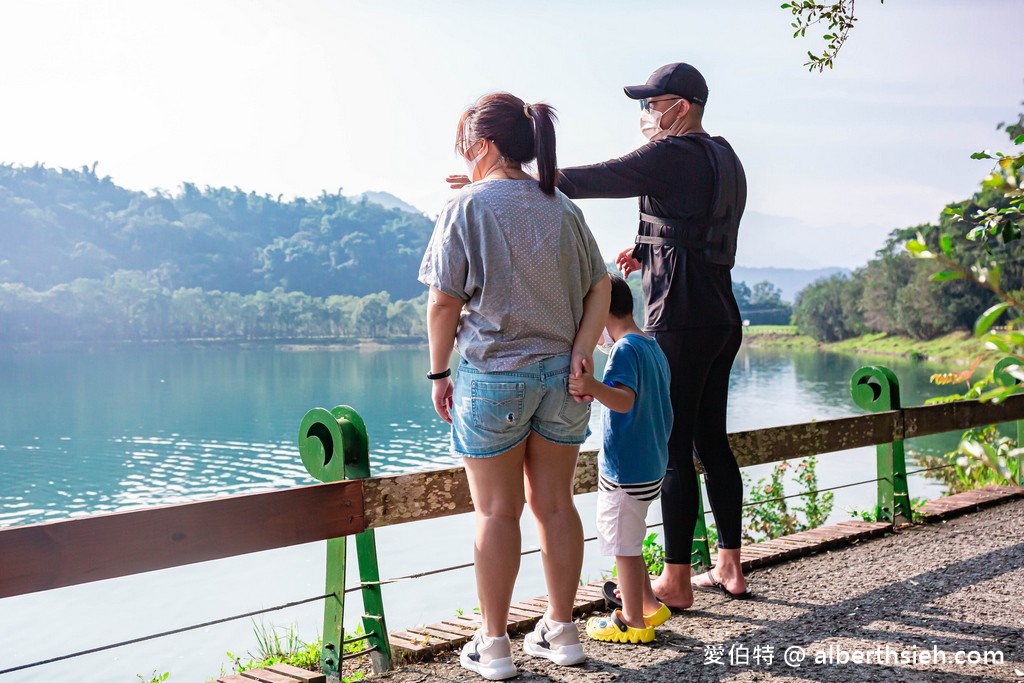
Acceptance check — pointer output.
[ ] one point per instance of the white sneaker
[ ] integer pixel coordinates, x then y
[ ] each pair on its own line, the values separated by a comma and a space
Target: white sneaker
489, 657
558, 642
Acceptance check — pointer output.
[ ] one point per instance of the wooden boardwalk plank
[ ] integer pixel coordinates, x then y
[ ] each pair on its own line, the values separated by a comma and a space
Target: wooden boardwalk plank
264, 676
961, 503
302, 675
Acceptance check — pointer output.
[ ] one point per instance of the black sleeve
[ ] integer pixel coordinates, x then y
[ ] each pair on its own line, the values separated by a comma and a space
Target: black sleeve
645, 171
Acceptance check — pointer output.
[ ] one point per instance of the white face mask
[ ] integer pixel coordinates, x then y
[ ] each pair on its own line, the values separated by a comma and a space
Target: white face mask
650, 120
606, 343
471, 164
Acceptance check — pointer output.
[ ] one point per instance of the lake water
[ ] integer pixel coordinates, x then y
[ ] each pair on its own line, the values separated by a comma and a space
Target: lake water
83, 432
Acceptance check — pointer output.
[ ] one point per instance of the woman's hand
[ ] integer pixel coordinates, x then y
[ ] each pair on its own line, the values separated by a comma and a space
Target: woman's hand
442, 395
457, 181
580, 364
626, 263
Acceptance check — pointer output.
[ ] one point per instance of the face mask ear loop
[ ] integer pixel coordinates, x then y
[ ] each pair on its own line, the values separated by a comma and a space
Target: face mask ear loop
471, 164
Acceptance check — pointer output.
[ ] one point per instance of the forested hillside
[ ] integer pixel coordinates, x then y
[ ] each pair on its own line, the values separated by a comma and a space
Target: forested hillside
60, 225
84, 259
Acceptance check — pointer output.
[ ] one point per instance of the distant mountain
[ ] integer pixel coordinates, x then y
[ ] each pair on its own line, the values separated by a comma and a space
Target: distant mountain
789, 280
386, 200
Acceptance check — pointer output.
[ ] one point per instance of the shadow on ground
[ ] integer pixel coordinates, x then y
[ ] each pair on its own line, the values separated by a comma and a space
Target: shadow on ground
923, 604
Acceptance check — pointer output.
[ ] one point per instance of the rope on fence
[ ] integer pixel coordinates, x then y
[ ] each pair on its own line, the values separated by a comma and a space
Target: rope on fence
929, 469
172, 632
420, 575
808, 493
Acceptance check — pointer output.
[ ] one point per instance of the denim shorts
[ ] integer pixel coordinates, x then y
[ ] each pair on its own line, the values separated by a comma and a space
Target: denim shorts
494, 411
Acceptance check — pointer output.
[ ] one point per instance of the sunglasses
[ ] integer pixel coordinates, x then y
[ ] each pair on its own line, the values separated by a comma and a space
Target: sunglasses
645, 104
463, 147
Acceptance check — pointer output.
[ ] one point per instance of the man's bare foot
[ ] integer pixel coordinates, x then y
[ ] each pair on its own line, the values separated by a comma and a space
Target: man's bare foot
734, 583
675, 595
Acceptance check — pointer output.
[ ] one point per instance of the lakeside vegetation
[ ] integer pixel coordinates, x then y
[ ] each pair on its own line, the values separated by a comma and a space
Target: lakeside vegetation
956, 347
930, 280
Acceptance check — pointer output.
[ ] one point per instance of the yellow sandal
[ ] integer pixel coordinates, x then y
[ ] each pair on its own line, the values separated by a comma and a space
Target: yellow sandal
658, 618
613, 630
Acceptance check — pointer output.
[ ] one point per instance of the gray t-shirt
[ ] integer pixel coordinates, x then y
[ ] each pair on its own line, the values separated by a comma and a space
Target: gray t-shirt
522, 261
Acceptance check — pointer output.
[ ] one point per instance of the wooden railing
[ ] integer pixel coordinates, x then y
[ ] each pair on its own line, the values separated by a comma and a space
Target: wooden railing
40, 557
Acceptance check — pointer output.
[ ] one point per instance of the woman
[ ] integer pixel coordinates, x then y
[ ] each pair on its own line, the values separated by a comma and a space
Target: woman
516, 278
692, 191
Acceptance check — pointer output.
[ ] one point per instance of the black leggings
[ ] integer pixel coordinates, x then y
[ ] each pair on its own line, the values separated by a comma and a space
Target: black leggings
700, 360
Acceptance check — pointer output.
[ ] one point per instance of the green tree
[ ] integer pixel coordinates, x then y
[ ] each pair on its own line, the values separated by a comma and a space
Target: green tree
766, 295
742, 292
819, 309
370, 316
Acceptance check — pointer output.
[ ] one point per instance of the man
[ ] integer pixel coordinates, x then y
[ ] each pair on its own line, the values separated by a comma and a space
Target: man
692, 191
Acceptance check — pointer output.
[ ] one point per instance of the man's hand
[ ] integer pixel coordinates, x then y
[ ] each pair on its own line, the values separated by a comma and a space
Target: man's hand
457, 181
626, 263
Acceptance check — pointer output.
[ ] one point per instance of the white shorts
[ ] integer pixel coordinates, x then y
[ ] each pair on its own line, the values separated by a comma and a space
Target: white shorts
621, 523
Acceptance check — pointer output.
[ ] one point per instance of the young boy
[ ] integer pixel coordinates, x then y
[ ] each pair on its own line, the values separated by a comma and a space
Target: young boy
637, 422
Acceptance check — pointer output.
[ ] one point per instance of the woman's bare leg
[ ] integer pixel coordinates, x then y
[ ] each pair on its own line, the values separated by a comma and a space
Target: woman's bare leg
496, 485
550, 469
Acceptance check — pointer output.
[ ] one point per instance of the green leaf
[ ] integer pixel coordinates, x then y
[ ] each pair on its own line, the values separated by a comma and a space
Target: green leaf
946, 276
981, 155
988, 318
997, 344
1019, 139
919, 249
785, 5
946, 242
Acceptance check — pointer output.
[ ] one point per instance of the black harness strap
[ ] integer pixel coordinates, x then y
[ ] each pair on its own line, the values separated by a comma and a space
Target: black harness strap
671, 242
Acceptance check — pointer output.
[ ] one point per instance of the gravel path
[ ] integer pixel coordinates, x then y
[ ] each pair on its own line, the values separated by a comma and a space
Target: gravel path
951, 587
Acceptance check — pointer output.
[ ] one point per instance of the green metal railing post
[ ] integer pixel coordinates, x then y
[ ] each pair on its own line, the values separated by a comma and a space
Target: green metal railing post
700, 554
1001, 374
334, 446
875, 388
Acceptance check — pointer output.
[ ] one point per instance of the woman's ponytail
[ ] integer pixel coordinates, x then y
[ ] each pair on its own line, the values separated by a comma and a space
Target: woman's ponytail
544, 145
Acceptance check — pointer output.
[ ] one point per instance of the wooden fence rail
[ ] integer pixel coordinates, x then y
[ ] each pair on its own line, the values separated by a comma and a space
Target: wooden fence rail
40, 557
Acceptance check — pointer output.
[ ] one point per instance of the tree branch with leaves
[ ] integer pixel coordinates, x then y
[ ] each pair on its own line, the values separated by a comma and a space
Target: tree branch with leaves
837, 18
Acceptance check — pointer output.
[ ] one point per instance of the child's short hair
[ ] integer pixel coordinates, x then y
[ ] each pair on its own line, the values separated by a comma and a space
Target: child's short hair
622, 298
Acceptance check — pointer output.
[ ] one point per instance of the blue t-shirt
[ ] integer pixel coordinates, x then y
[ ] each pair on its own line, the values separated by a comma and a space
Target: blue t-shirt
636, 443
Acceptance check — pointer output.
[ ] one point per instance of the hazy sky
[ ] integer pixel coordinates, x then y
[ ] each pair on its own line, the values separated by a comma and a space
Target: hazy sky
295, 97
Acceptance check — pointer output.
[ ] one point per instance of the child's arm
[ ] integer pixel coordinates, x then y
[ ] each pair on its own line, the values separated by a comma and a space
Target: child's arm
619, 398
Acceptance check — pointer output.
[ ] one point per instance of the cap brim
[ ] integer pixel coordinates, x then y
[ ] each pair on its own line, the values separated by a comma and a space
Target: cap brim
639, 92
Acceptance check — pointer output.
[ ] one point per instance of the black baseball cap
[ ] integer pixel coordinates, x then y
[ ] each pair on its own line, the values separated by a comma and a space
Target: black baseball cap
672, 79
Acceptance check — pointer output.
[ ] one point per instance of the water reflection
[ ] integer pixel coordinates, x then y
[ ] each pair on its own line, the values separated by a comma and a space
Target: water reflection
114, 429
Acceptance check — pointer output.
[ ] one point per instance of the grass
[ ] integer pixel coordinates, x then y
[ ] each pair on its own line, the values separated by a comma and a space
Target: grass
779, 336
277, 645
960, 347
956, 346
